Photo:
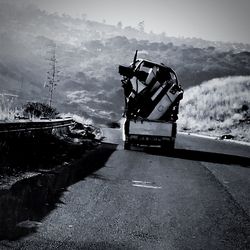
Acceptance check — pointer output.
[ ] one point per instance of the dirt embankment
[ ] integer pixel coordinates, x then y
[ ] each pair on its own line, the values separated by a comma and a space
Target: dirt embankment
219, 107
35, 170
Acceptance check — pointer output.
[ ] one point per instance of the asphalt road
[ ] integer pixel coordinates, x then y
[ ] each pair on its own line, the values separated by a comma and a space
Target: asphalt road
195, 198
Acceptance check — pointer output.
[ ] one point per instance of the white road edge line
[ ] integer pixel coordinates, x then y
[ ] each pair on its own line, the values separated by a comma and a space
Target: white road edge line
198, 135
146, 186
142, 182
216, 138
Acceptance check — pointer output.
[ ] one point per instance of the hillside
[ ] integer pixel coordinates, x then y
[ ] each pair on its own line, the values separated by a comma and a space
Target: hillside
218, 107
88, 54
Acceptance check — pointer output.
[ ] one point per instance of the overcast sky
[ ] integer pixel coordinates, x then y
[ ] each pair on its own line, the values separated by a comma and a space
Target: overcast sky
219, 20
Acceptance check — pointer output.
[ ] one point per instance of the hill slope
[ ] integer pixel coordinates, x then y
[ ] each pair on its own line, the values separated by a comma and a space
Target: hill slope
88, 55
216, 107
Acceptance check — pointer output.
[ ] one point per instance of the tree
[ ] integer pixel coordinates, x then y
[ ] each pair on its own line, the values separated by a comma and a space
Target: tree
141, 26
119, 25
84, 16
52, 74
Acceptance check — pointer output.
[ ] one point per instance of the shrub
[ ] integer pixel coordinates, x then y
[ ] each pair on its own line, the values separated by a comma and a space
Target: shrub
7, 107
39, 110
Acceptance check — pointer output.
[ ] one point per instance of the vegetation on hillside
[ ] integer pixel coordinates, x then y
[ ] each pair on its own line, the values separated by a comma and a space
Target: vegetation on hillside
39, 110
217, 107
9, 111
88, 55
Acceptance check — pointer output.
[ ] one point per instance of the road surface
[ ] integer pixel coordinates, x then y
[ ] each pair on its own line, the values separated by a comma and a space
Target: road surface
195, 198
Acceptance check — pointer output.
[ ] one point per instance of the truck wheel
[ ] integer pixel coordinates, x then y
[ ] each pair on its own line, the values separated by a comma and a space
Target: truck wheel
171, 144
164, 146
168, 146
127, 145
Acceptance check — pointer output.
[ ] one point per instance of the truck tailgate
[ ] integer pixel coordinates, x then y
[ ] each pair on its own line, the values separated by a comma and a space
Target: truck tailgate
165, 129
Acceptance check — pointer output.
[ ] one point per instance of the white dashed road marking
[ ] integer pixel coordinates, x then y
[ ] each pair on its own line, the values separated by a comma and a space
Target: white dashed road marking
145, 184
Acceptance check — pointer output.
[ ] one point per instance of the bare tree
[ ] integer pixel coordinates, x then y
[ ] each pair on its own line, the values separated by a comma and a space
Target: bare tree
52, 74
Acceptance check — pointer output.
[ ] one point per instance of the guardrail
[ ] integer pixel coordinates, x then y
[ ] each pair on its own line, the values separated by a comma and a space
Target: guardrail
26, 126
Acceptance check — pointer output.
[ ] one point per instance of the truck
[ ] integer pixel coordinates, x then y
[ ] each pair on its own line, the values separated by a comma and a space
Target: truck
152, 95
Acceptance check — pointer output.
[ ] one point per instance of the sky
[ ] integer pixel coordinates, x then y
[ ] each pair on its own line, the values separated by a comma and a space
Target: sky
216, 20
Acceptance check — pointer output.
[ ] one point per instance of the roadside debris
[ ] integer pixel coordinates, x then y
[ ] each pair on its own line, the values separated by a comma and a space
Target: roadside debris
227, 137
41, 150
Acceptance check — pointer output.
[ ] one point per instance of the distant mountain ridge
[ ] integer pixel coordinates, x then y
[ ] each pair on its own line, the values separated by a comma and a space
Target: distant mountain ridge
88, 54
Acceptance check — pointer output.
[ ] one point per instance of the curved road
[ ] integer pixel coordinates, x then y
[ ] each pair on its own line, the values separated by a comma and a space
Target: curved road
194, 198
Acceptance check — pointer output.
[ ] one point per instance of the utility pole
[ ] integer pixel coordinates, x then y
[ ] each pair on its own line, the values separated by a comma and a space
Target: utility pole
52, 74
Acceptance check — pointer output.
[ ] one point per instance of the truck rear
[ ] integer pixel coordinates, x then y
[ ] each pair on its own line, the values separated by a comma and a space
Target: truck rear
141, 132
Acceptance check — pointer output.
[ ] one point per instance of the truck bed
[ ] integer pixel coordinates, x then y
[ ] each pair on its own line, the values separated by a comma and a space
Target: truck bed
149, 133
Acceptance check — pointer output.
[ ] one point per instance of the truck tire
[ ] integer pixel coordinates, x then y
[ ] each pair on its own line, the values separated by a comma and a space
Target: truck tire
127, 145
171, 145
168, 146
